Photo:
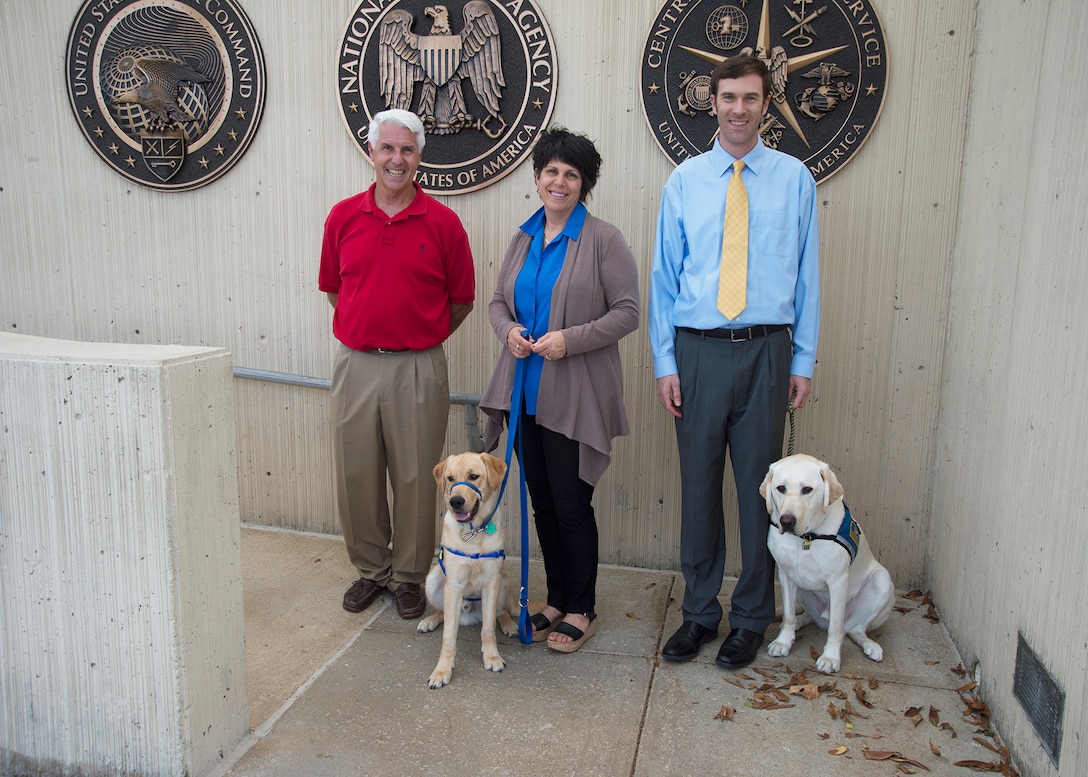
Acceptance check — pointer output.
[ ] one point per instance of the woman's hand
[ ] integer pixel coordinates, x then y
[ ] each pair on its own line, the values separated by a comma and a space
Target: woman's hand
518, 344
551, 345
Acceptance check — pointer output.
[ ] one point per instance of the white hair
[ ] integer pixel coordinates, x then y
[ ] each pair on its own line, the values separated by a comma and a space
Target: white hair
400, 118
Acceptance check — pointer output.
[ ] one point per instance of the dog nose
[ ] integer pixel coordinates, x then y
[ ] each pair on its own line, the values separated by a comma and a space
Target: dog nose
788, 523
457, 503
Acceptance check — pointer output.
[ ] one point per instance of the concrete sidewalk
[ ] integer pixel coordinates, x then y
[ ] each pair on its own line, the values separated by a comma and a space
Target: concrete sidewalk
334, 694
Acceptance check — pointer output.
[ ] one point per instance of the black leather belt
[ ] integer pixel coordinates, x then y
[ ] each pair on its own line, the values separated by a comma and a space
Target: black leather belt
738, 335
391, 350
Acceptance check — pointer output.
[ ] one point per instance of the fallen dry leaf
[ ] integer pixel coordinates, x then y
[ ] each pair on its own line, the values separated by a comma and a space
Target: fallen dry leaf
933, 748
743, 676
649, 586
987, 745
915, 594
812, 652
824, 736
958, 670
980, 766
932, 662
892, 755
931, 614
726, 713
838, 750
734, 681
833, 711
632, 616
948, 727
764, 705
901, 608
873, 684
968, 687
860, 693
934, 716
809, 690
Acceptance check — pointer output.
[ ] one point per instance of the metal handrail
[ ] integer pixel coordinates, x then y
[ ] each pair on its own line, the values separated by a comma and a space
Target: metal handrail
469, 401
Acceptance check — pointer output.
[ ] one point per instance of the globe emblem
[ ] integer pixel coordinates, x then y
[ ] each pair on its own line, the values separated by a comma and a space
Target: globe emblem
122, 75
727, 27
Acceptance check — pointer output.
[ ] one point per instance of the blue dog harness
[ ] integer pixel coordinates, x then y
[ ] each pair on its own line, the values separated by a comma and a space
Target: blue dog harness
487, 527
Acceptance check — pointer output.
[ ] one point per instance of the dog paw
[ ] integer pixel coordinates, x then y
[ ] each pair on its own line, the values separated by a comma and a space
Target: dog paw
440, 678
426, 625
779, 649
873, 651
494, 663
507, 625
827, 664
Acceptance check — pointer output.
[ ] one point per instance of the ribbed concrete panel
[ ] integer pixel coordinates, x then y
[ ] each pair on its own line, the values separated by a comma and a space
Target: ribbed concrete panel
1006, 553
122, 646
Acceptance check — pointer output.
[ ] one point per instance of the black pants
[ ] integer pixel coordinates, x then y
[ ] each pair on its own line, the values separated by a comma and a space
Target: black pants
563, 510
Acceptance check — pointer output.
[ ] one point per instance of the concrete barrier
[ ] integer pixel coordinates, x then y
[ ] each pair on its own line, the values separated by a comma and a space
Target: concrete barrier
121, 644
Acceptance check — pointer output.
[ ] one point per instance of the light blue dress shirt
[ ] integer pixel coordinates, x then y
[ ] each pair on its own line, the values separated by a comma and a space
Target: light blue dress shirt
535, 284
783, 252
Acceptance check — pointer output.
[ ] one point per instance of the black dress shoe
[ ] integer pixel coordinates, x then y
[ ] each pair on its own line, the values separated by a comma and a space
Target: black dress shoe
685, 643
739, 648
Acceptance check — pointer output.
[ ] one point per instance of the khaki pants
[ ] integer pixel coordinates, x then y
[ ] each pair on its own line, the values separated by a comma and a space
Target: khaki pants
388, 413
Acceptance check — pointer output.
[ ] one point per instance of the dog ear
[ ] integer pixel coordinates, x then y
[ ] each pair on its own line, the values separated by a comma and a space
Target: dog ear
832, 488
439, 472
496, 468
765, 490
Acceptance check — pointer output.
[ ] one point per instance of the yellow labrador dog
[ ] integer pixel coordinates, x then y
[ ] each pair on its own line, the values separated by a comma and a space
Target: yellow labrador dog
824, 561
467, 584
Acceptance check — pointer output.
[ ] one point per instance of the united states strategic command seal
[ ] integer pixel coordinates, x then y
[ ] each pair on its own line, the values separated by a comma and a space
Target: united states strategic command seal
481, 75
168, 92
828, 63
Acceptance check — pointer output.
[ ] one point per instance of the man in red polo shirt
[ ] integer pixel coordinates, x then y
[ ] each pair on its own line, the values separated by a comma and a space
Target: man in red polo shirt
397, 268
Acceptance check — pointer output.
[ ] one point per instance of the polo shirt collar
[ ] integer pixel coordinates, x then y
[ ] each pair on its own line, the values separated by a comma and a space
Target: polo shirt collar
417, 207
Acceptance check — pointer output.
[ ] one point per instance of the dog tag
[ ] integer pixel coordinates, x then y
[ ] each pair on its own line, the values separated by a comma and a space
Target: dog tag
491, 528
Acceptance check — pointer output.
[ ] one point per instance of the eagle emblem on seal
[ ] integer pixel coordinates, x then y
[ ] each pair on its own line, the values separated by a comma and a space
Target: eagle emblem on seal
440, 61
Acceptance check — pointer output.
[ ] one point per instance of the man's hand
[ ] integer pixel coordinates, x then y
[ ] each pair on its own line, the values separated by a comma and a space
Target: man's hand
800, 388
668, 391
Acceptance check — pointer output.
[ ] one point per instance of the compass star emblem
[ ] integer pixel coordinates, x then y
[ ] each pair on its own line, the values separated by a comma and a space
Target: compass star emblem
828, 67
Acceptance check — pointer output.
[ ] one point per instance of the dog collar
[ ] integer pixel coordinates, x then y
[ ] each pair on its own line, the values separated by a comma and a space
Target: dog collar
848, 536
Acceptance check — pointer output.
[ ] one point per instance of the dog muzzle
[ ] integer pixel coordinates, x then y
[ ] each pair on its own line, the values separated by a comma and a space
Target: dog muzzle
459, 514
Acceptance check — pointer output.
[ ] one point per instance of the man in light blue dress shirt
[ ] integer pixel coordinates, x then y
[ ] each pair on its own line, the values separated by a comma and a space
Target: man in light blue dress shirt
729, 382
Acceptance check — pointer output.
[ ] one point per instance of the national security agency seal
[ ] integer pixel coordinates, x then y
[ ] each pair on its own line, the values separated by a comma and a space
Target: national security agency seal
168, 93
481, 75
829, 73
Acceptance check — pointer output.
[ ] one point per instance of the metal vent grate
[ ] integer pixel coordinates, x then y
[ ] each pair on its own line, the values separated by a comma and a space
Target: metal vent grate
1040, 697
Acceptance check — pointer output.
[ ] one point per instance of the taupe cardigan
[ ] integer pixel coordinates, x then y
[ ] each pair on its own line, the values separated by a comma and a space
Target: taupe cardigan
594, 304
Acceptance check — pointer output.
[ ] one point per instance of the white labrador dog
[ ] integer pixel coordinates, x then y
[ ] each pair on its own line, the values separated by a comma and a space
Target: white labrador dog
467, 584
824, 561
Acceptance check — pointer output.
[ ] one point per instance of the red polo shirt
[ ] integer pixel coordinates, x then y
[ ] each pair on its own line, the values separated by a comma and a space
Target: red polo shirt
395, 278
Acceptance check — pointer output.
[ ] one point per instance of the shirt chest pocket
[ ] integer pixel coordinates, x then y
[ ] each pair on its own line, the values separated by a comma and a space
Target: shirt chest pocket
771, 233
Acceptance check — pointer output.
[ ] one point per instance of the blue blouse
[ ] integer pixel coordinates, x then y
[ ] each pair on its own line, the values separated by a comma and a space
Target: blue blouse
534, 285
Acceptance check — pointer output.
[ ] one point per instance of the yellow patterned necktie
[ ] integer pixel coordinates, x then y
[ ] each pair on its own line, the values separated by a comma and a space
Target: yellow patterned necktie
733, 278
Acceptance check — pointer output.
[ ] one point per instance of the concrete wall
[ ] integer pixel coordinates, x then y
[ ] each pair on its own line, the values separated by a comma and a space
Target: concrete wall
1006, 553
121, 646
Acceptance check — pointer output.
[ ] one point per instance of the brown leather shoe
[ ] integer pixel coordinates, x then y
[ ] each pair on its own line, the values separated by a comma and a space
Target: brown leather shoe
410, 601
361, 595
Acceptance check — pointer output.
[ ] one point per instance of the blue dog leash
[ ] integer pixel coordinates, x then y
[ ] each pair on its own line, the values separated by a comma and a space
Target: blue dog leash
525, 634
